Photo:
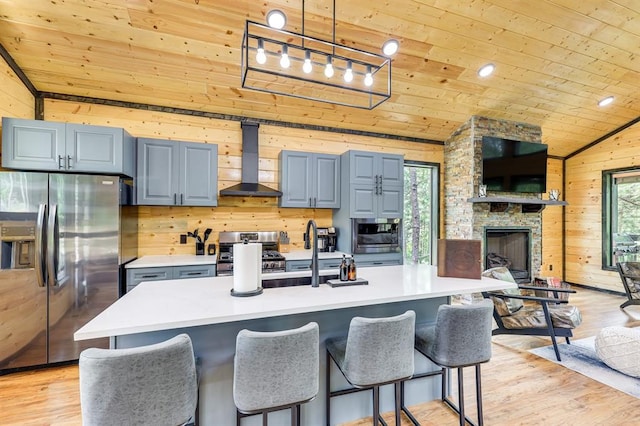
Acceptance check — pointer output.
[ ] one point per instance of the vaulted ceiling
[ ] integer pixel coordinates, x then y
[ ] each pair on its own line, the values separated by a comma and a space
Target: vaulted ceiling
555, 59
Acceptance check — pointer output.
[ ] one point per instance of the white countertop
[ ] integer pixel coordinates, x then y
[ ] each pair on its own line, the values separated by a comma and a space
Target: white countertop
171, 304
306, 255
157, 261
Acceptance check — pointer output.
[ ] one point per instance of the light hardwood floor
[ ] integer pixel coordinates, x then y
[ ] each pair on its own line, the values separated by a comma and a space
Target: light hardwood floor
518, 388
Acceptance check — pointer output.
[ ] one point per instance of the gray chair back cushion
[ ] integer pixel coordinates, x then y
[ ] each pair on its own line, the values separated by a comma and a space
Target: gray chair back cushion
379, 350
273, 369
461, 335
151, 385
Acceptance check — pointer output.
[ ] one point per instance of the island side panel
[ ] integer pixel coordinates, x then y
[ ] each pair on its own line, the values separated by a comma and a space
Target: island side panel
215, 346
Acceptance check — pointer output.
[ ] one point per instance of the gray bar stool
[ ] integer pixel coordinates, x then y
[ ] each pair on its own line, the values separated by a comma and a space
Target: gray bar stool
150, 385
461, 337
275, 371
376, 352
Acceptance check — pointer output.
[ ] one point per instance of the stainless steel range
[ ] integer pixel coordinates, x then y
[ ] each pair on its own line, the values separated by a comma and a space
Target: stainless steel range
272, 260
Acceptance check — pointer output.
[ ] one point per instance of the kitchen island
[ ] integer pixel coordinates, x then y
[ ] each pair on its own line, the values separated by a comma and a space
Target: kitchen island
204, 308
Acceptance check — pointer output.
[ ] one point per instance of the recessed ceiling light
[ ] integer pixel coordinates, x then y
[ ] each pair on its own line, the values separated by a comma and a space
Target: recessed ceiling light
276, 19
390, 47
486, 70
606, 101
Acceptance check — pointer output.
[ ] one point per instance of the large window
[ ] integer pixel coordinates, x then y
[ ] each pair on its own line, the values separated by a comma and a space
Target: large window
420, 218
621, 213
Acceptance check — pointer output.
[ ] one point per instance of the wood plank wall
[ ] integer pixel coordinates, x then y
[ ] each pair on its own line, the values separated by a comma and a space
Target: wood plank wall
552, 220
160, 227
15, 98
583, 221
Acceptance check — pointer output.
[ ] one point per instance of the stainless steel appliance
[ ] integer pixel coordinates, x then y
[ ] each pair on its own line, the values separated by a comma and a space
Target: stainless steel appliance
272, 260
63, 241
376, 235
327, 238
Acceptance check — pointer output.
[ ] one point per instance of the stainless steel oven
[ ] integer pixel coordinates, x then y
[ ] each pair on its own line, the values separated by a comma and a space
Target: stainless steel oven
376, 235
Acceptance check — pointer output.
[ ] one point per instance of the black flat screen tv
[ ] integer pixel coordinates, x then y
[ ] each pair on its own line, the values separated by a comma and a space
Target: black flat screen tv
514, 166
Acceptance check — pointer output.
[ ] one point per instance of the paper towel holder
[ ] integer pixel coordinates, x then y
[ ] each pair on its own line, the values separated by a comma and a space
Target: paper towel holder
247, 293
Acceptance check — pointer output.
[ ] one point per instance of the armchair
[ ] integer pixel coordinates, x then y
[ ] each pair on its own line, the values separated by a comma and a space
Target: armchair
630, 276
521, 314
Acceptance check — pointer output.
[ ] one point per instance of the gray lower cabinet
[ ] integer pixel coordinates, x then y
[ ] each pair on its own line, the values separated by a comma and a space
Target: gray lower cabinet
305, 265
66, 147
137, 275
373, 184
309, 180
174, 173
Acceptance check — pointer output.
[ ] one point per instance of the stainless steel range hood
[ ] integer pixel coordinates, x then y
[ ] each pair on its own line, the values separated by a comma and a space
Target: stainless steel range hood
249, 186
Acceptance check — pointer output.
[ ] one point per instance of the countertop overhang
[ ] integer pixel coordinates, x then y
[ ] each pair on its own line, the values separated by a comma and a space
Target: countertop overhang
172, 304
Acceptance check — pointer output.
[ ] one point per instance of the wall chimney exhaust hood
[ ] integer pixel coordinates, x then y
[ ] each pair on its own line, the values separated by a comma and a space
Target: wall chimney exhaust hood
249, 186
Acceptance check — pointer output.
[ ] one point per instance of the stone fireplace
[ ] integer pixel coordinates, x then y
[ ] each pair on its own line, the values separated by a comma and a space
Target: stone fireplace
465, 219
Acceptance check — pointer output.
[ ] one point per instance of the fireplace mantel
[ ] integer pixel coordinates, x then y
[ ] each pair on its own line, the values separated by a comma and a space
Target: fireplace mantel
501, 204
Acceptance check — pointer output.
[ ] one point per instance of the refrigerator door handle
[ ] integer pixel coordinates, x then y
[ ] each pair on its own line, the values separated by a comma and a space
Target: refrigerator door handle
53, 245
40, 243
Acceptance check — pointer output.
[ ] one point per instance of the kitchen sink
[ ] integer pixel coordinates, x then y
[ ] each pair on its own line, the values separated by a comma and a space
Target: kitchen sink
294, 281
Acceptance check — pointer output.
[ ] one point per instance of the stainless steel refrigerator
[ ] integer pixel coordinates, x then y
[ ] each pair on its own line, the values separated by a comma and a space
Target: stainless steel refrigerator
64, 240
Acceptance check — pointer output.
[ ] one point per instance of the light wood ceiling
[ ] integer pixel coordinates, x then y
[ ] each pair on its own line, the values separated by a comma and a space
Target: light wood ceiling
555, 59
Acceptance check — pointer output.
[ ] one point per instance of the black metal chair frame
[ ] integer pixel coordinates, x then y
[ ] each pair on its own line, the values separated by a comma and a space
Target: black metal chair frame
624, 277
295, 413
377, 419
550, 330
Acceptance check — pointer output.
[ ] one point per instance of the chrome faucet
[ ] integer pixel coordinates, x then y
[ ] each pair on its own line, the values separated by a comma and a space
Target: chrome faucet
315, 281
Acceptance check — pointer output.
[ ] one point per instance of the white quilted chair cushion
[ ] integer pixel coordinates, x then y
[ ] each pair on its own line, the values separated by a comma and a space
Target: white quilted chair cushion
619, 348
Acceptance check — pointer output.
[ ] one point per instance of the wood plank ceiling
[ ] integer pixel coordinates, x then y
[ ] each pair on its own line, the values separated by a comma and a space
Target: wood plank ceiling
554, 59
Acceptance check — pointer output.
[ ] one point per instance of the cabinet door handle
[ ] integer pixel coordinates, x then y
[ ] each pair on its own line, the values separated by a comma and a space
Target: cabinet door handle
150, 276
193, 273
68, 161
175, 198
181, 199
377, 185
60, 164
315, 202
310, 205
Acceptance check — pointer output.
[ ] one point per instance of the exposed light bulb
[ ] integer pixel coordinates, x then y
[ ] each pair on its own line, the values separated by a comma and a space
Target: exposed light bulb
261, 57
284, 59
348, 74
328, 70
307, 67
368, 78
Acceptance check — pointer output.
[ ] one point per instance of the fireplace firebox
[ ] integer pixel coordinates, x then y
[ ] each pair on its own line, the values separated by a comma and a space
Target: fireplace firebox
509, 247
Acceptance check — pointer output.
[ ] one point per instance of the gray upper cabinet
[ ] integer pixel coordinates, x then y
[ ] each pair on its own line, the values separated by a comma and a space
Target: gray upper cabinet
173, 173
309, 180
375, 188
66, 147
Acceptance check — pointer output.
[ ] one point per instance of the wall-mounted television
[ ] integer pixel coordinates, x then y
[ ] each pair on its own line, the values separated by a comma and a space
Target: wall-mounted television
514, 166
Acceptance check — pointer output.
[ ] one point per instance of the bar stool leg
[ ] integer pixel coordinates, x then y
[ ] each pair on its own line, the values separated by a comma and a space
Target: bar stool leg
398, 396
479, 396
461, 396
295, 415
264, 418
376, 405
328, 389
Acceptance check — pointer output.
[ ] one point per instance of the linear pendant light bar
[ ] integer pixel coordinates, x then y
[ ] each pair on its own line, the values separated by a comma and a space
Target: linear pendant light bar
356, 78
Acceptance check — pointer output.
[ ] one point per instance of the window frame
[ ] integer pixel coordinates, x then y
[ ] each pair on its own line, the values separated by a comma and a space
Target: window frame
609, 216
435, 206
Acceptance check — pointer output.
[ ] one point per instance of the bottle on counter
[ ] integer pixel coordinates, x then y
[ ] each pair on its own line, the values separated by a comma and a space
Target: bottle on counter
344, 269
352, 270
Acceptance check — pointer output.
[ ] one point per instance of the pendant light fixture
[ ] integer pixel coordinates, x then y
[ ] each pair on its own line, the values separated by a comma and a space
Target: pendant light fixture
282, 62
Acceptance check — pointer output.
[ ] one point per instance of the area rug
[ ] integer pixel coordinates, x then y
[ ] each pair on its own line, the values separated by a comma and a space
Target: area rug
580, 356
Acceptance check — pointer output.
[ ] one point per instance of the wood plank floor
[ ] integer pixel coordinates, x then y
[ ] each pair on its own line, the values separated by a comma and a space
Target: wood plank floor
518, 388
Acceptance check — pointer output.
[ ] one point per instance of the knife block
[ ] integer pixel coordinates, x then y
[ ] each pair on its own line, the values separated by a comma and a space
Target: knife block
283, 248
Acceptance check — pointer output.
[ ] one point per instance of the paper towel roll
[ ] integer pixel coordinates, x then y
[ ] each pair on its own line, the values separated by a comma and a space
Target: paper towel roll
247, 267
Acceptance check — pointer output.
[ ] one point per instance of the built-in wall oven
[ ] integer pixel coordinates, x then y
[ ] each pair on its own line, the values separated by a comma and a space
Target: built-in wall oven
376, 235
